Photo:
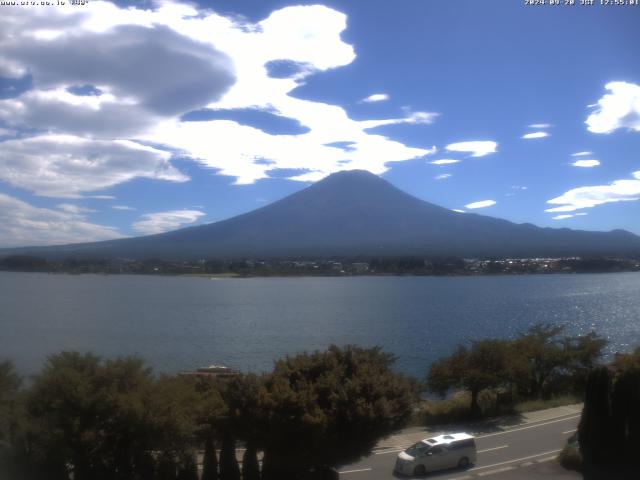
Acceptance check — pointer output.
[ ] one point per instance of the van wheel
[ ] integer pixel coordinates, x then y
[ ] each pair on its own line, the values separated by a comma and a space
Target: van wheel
419, 471
463, 462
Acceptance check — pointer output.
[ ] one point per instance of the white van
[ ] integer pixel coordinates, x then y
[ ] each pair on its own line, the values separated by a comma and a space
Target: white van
437, 453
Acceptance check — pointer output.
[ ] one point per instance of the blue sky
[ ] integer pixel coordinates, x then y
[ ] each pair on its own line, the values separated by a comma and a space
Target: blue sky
129, 118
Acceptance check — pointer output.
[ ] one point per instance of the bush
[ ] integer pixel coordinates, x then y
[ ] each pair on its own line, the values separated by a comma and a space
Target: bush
532, 405
456, 408
570, 458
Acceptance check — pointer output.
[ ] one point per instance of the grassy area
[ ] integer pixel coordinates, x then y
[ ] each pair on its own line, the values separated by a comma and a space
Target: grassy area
455, 409
532, 405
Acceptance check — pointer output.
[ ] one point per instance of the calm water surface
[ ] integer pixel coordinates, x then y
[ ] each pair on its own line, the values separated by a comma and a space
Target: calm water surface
178, 323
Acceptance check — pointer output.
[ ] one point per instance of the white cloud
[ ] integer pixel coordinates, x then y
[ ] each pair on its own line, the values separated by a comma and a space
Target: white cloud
122, 207
586, 163
164, 221
5, 132
445, 161
74, 209
618, 109
481, 204
562, 217
444, 176
101, 197
588, 197
68, 166
529, 136
458, 210
22, 224
376, 97
540, 125
419, 117
152, 65
476, 148
581, 154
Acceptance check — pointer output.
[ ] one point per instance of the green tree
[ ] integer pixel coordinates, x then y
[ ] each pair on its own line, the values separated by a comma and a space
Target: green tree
624, 405
244, 396
582, 354
211, 414
595, 428
609, 429
543, 355
210, 460
188, 469
329, 408
167, 467
10, 413
474, 369
107, 419
10, 383
229, 468
250, 465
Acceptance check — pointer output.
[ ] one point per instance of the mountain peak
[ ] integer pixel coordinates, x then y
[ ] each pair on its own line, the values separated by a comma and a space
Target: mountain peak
359, 176
357, 173
357, 213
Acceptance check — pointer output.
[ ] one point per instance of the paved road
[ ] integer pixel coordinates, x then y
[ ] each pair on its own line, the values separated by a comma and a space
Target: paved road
526, 443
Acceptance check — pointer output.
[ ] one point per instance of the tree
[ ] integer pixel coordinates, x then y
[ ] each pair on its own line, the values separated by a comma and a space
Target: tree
581, 355
244, 397
609, 429
107, 419
229, 469
210, 460
10, 414
9, 385
188, 469
624, 405
543, 355
210, 413
250, 465
329, 408
482, 366
594, 430
167, 467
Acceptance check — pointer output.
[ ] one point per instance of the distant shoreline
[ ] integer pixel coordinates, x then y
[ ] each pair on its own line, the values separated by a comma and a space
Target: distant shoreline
225, 276
323, 267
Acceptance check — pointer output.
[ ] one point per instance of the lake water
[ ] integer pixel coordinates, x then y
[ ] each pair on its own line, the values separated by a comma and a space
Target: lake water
179, 323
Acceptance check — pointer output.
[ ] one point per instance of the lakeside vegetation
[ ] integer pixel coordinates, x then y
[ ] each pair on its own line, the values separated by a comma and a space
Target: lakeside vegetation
84, 417
99, 419
538, 364
390, 265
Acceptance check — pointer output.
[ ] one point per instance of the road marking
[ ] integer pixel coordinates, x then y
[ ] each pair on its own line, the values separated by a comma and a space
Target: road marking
389, 451
497, 470
514, 460
547, 459
526, 428
396, 450
400, 450
559, 418
494, 448
569, 431
355, 471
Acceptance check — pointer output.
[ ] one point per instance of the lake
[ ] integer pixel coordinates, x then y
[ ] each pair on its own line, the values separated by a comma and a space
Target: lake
179, 323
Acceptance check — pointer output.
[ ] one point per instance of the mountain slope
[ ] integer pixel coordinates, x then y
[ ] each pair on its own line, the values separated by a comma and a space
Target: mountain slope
356, 213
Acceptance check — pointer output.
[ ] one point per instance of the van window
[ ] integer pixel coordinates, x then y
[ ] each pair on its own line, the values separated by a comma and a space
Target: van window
417, 449
462, 444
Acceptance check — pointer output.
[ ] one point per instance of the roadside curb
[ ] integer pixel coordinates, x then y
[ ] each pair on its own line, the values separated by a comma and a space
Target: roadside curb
411, 435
